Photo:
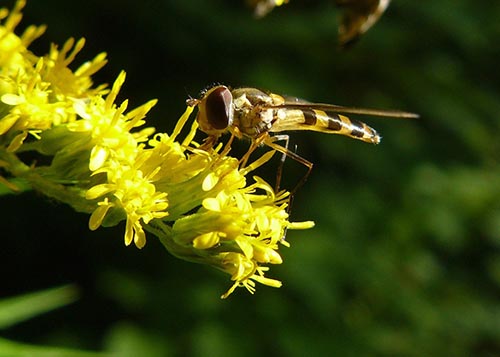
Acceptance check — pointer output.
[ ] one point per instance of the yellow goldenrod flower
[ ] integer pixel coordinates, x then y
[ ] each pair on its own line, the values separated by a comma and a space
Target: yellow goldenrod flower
65, 82
197, 200
38, 92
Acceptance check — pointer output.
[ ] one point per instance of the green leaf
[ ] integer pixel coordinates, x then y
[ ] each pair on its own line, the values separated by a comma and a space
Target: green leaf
15, 349
21, 308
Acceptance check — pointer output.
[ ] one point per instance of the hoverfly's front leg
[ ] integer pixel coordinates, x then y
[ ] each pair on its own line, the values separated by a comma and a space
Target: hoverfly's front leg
279, 173
286, 152
271, 142
209, 142
227, 147
254, 145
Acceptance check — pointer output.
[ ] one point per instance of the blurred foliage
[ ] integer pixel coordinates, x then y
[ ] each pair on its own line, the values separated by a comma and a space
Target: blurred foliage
405, 256
17, 309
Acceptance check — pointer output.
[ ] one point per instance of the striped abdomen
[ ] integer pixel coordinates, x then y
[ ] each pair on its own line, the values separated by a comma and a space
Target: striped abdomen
325, 122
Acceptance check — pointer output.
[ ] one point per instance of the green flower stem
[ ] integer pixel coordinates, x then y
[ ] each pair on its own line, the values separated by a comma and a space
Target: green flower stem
73, 196
164, 233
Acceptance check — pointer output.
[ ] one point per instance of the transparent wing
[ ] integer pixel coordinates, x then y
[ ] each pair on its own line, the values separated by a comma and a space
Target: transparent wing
296, 103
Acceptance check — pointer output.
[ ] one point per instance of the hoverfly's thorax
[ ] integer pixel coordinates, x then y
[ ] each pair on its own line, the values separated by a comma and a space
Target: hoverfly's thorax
215, 111
253, 111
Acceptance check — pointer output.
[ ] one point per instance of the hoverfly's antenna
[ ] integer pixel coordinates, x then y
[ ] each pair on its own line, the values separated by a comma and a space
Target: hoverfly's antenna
192, 102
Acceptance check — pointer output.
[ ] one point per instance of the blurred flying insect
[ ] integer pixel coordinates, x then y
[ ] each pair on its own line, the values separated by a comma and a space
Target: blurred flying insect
263, 7
255, 114
357, 18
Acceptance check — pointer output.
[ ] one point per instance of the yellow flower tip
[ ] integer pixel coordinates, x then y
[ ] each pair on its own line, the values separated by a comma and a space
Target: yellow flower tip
266, 255
110, 99
249, 282
209, 182
140, 237
98, 157
257, 163
16, 143
237, 265
15, 15
12, 99
207, 240
99, 213
245, 272
98, 191
134, 233
230, 290
7, 122
301, 225
181, 122
212, 204
268, 281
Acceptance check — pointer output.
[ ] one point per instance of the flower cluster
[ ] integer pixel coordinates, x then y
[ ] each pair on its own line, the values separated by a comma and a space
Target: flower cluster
195, 199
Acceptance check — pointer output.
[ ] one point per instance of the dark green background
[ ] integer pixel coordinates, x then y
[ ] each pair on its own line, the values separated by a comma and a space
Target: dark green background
404, 259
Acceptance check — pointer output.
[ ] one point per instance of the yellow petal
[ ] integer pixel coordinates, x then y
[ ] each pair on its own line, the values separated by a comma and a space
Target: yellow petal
97, 191
12, 99
245, 246
301, 225
97, 217
97, 157
139, 236
17, 141
206, 241
209, 182
211, 204
7, 122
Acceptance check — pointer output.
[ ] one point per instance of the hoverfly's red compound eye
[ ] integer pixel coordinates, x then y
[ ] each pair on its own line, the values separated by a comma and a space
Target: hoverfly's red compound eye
218, 107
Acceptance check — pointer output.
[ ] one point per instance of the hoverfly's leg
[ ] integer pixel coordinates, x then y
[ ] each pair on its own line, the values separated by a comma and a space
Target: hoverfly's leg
251, 149
279, 172
286, 152
295, 157
227, 147
208, 142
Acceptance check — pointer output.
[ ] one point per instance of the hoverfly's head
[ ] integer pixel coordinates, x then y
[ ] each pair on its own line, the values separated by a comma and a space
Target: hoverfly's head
215, 110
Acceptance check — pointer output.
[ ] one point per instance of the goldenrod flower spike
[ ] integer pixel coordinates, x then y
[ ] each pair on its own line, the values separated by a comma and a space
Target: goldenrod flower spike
197, 200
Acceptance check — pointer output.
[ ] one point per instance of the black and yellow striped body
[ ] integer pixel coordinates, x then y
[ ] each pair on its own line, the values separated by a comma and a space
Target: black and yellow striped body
257, 112
324, 122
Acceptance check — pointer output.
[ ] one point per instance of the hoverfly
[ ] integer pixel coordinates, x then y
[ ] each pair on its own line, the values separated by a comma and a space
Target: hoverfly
357, 18
256, 114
